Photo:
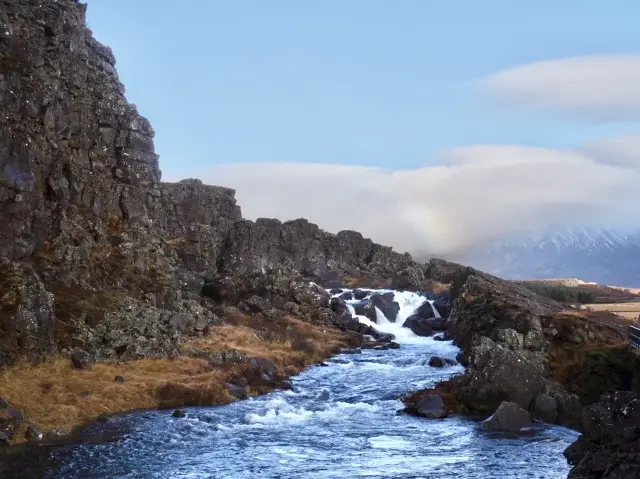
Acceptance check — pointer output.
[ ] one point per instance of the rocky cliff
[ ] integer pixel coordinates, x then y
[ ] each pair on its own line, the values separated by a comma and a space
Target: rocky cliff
97, 252
528, 350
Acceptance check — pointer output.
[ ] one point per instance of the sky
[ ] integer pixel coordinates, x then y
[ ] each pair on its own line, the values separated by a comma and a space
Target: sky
424, 124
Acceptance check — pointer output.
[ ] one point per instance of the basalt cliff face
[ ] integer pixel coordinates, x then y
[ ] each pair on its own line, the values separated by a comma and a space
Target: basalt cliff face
523, 349
96, 251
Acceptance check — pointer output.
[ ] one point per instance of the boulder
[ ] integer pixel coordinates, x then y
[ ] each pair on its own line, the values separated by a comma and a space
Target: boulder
424, 311
33, 434
339, 305
424, 327
360, 308
119, 379
438, 362
442, 337
178, 413
236, 390
545, 409
496, 374
3, 403
10, 420
610, 443
509, 417
360, 294
80, 359
385, 303
346, 296
442, 303
380, 336
428, 406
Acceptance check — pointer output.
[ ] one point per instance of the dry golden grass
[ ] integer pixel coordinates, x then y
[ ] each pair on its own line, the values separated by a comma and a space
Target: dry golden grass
616, 307
292, 345
53, 395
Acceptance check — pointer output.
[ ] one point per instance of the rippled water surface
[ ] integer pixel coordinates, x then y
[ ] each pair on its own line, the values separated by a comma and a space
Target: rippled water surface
339, 421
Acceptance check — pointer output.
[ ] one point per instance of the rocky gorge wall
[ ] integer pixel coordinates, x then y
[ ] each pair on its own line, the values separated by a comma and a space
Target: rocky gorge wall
96, 251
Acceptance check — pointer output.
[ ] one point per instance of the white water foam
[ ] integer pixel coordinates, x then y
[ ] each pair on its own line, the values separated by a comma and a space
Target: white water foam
409, 302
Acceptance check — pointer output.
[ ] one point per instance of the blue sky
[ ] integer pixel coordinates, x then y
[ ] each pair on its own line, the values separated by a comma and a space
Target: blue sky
363, 82
453, 121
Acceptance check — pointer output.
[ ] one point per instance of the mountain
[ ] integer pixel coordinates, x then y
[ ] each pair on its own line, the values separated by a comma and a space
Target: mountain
600, 255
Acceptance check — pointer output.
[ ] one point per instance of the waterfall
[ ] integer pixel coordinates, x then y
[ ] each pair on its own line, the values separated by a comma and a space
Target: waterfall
409, 302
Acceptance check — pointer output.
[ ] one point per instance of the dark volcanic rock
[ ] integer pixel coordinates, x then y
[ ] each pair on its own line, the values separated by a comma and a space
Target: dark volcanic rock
442, 303
236, 390
10, 421
347, 296
178, 413
428, 406
97, 252
425, 311
385, 304
509, 417
545, 409
423, 326
80, 359
610, 444
33, 434
360, 294
438, 362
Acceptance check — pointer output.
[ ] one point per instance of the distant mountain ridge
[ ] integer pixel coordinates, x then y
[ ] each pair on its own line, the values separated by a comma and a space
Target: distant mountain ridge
601, 255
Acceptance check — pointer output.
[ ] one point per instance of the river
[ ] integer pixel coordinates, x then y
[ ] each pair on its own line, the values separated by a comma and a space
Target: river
338, 421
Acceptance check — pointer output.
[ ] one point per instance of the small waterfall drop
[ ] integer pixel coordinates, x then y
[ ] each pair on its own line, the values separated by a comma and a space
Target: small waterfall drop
408, 301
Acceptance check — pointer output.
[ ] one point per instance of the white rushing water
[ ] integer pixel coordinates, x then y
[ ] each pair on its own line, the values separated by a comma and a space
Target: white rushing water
408, 303
339, 421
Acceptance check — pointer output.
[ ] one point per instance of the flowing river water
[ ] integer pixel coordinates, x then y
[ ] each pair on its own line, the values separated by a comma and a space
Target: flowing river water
338, 421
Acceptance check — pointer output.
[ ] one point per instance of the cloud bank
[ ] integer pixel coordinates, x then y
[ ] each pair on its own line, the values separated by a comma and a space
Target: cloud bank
477, 192
602, 87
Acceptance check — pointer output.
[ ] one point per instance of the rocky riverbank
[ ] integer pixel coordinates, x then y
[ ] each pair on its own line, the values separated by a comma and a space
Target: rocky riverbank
543, 359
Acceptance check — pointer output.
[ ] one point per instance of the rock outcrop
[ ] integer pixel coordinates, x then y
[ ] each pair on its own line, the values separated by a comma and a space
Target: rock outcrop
97, 253
610, 444
521, 348
509, 417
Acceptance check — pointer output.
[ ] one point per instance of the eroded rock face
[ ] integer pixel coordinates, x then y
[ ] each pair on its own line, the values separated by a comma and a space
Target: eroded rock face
429, 406
499, 327
610, 444
509, 417
423, 326
96, 252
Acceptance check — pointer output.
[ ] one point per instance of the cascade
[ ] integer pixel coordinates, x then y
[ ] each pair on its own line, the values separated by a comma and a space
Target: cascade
408, 301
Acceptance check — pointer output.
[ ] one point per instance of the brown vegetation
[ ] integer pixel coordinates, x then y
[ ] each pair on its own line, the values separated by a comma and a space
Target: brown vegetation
591, 355
626, 310
52, 395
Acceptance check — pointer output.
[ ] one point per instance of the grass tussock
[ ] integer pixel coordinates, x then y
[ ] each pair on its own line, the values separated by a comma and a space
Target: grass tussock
290, 343
52, 395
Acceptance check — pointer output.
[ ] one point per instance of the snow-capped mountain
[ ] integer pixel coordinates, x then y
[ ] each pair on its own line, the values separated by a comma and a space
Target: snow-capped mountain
605, 256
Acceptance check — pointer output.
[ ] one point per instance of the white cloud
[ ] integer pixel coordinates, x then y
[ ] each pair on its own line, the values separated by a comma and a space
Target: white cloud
605, 87
476, 192
483, 191
622, 150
